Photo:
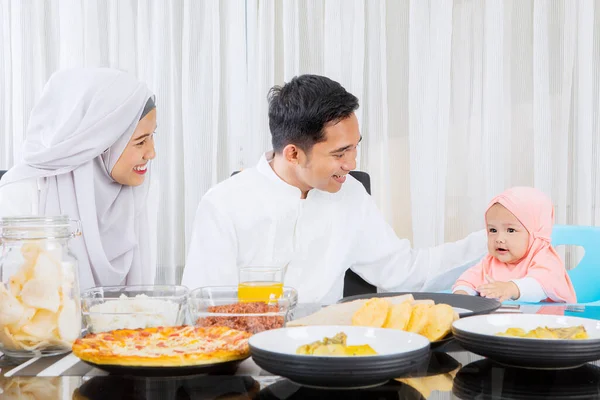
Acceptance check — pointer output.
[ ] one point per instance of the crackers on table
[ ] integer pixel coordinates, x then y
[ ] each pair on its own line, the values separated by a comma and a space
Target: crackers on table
399, 316
434, 321
373, 313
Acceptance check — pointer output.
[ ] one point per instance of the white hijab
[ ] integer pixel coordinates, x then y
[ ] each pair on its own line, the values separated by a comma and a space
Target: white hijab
76, 134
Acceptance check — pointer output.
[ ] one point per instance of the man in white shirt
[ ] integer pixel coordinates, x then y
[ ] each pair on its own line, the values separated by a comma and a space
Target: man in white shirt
299, 207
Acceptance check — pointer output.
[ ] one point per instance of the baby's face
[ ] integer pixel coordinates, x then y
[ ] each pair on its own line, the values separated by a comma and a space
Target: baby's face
508, 240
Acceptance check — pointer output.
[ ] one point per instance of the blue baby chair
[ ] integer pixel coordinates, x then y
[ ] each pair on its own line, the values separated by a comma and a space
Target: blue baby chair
586, 275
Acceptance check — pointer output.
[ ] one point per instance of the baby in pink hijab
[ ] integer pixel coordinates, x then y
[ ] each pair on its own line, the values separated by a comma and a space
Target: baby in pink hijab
521, 263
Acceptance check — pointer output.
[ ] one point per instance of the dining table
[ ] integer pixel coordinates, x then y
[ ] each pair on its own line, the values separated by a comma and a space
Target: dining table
452, 373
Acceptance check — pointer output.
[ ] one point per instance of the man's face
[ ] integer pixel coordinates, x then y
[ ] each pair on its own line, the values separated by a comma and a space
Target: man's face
326, 165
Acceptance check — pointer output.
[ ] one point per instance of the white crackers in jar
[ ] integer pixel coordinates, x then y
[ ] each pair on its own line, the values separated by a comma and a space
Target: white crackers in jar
37, 309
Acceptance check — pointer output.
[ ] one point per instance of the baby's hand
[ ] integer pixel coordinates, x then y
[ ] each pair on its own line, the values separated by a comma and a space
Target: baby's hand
461, 292
499, 290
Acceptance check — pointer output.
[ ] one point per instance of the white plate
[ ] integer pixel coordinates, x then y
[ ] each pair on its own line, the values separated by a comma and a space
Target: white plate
493, 324
383, 341
478, 334
399, 352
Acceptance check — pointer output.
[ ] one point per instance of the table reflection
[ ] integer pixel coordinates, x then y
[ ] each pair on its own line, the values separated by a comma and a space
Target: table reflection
177, 388
438, 376
286, 390
486, 380
30, 388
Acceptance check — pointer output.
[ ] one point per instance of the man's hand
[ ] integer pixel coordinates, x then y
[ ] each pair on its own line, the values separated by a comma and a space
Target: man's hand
499, 290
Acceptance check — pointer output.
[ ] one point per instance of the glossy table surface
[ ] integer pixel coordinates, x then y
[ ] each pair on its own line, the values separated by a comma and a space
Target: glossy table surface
453, 373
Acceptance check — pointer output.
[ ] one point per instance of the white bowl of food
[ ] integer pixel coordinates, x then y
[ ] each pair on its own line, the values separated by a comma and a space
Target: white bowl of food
339, 356
530, 340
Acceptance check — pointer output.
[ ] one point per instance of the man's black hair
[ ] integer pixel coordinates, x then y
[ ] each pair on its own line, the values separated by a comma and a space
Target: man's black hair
301, 109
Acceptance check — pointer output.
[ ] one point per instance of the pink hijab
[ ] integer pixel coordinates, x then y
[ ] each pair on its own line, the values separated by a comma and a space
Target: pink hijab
535, 211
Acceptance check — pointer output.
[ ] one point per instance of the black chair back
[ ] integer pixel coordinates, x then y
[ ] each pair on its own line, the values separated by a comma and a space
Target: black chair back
363, 178
353, 283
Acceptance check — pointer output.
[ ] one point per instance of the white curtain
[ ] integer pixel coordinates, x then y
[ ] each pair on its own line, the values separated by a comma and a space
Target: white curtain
459, 99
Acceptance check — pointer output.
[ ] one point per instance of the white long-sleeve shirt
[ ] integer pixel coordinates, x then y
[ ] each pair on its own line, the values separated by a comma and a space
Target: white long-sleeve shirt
255, 218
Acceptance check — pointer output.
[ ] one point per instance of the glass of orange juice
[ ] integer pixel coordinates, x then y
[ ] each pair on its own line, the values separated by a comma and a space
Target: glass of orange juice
260, 283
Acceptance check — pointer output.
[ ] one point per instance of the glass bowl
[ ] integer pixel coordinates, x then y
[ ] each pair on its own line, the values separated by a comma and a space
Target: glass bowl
220, 306
107, 308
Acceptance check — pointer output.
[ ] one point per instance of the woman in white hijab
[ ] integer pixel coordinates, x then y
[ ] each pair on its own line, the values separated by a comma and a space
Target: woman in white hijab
86, 154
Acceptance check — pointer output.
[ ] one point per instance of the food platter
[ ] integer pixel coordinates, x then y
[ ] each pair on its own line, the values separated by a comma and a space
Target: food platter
228, 367
465, 306
479, 335
164, 351
416, 314
398, 353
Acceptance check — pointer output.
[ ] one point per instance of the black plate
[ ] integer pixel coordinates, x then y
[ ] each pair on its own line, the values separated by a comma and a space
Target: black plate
518, 352
477, 335
486, 380
338, 373
228, 367
475, 304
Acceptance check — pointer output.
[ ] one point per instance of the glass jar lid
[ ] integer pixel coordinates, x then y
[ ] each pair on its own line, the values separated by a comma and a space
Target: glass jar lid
39, 227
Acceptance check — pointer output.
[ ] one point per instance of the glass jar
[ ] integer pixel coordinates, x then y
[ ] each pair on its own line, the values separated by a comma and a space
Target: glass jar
40, 309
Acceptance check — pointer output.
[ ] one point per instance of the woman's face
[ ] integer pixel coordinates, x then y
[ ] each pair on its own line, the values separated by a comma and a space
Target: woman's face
132, 165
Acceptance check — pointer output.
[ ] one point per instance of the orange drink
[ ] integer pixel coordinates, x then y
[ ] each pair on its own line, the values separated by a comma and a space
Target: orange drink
260, 284
259, 291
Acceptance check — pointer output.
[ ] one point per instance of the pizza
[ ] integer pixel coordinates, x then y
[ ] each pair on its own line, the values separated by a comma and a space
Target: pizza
171, 346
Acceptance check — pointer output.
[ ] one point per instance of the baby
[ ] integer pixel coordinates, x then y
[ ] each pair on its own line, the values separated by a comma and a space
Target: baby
521, 263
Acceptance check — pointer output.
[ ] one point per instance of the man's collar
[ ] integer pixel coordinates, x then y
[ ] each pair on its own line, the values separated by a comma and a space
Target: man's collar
264, 166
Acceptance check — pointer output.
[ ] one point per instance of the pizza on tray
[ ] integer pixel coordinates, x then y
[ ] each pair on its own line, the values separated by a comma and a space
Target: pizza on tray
172, 346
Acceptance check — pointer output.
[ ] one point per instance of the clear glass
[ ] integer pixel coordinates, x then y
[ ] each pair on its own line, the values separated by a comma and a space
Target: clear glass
261, 283
40, 309
131, 307
262, 274
219, 305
